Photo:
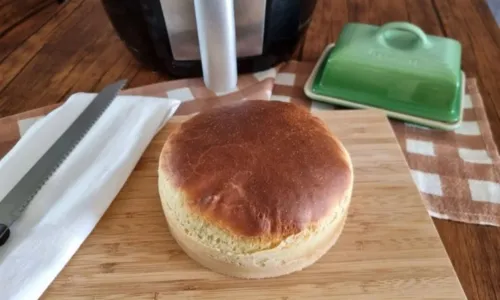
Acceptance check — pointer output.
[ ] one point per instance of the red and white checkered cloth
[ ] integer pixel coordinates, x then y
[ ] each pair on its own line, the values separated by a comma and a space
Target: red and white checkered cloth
456, 172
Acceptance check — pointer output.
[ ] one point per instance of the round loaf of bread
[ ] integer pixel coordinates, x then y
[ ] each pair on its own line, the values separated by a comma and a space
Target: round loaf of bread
257, 189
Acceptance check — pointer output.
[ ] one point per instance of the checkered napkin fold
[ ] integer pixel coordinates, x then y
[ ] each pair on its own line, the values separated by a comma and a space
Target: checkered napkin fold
456, 172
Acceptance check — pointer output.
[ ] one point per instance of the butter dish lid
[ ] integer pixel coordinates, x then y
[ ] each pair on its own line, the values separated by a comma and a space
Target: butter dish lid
395, 67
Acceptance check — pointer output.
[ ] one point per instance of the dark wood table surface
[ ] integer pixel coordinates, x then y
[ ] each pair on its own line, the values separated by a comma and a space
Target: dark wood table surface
50, 50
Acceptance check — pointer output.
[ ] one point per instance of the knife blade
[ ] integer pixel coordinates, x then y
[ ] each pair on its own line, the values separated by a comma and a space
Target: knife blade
18, 198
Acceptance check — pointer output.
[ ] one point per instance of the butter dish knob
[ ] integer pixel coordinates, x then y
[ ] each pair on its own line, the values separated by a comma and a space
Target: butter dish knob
405, 26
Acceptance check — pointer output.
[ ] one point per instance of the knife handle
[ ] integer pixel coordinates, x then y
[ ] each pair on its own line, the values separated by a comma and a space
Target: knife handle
4, 234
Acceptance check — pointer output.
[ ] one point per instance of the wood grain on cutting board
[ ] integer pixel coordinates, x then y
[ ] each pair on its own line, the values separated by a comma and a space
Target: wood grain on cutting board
389, 248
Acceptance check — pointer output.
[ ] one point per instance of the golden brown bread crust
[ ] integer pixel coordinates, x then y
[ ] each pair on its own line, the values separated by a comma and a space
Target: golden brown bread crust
258, 168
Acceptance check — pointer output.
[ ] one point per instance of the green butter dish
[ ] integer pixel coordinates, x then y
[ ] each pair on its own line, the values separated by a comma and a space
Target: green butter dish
395, 67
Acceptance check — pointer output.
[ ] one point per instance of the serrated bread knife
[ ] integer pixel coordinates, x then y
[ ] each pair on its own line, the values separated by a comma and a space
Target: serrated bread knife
19, 197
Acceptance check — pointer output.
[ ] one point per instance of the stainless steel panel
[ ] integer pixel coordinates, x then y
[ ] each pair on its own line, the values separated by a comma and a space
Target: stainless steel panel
217, 47
180, 20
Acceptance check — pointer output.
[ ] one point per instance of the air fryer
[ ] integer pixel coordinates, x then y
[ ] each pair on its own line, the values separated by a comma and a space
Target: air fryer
215, 39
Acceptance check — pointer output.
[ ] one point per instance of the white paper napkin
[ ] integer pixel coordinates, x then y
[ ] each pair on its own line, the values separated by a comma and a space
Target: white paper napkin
70, 204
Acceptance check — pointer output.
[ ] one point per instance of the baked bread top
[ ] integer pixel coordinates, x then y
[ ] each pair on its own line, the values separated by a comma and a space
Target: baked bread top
257, 169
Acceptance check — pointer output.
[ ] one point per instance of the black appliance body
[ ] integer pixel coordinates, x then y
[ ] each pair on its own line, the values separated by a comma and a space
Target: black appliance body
162, 34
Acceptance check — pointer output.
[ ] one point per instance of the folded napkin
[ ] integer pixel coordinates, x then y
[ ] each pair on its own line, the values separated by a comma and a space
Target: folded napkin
70, 204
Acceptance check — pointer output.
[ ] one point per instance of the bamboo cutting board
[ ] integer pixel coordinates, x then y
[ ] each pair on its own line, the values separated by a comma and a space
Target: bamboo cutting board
389, 248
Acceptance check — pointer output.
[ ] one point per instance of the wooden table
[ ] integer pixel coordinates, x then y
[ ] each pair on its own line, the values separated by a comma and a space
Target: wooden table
48, 51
